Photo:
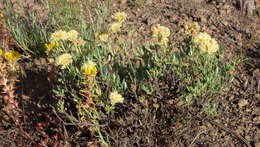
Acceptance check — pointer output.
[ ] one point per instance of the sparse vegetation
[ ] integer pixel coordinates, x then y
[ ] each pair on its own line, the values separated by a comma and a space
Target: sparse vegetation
96, 75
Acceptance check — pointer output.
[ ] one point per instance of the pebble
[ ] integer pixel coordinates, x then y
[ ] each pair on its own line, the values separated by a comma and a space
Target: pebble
208, 125
257, 96
248, 138
213, 133
203, 19
239, 131
242, 103
203, 127
257, 118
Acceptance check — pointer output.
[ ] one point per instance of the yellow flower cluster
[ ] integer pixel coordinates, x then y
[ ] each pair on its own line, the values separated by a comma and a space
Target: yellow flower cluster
103, 36
12, 56
89, 68
50, 46
59, 35
205, 43
115, 97
120, 17
1, 52
63, 60
161, 33
115, 27
72, 35
192, 29
63, 35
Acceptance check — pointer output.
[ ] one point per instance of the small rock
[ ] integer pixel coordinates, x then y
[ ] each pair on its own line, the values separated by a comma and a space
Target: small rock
256, 110
203, 127
227, 138
203, 19
225, 23
213, 28
43, 61
208, 125
123, 2
248, 138
257, 96
242, 103
37, 62
239, 130
231, 97
213, 133
257, 118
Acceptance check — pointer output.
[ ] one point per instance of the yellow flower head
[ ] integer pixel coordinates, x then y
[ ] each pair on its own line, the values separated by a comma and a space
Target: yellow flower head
160, 31
163, 41
1, 52
72, 35
192, 29
89, 68
115, 97
12, 56
59, 35
79, 42
197, 39
103, 36
210, 46
120, 17
205, 43
115, 27
63, 60
50, 46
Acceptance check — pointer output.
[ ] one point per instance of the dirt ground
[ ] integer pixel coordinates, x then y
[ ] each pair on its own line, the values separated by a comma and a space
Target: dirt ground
237, 122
